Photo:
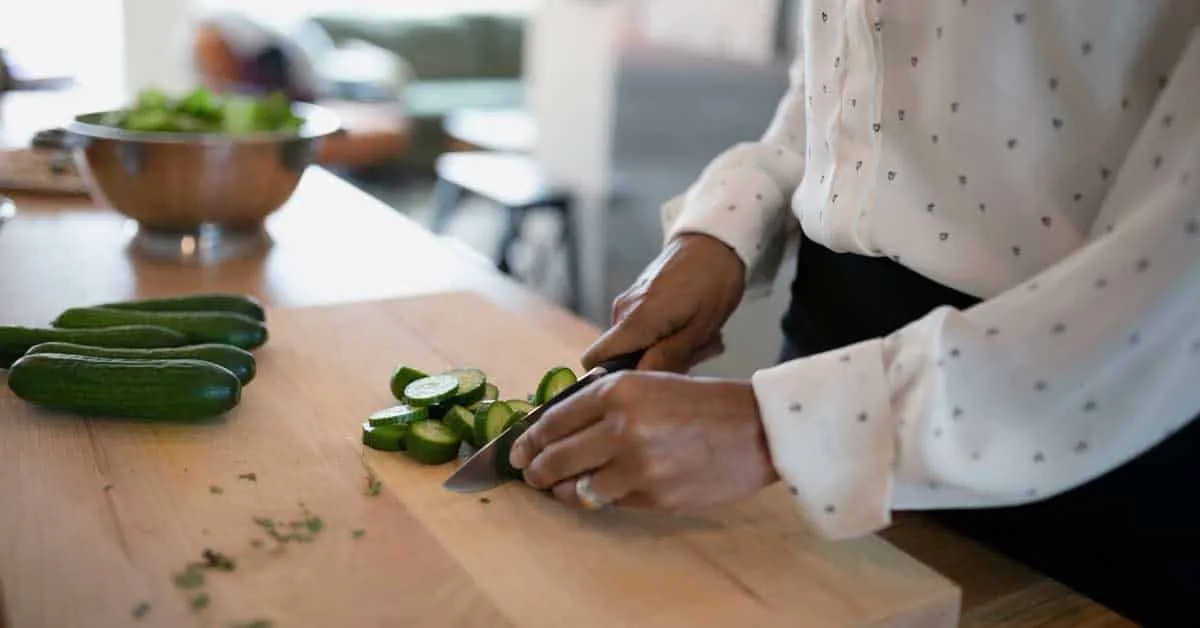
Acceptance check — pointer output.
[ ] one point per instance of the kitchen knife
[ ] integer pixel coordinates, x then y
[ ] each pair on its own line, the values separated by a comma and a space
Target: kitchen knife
483, 470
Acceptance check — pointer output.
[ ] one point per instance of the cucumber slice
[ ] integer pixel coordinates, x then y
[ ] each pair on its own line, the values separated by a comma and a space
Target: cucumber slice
471, 384
462, 421
385, 437
520, 407
499, 417
402, 413
490, 392
503, 449
431, 391
553, 382
432, 442
404, 376
495, 420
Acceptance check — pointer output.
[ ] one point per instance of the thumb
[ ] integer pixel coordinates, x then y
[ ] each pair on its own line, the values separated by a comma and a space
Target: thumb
634, 332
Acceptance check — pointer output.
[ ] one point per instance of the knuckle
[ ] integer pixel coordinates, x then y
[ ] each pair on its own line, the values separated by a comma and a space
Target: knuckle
617, 390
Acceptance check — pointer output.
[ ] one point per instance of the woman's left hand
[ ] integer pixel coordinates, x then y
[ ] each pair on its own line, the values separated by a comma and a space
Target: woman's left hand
651, 440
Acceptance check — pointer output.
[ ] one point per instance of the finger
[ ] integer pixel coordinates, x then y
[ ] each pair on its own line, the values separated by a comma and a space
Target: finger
634, 332
711, 350
563, 419
611, 484
586, 450
675, 354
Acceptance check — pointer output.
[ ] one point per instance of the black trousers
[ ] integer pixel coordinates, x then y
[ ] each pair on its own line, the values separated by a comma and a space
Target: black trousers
1129, 539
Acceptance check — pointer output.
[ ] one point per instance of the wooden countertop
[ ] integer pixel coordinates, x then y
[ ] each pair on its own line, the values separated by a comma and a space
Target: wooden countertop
336, 245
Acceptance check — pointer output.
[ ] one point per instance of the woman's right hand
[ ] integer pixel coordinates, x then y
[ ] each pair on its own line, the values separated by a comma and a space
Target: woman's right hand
676, 308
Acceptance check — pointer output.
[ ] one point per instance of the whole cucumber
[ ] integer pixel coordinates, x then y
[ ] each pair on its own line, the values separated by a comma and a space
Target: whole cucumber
199, 327
238, 361
155, 390
215, 302
15, 341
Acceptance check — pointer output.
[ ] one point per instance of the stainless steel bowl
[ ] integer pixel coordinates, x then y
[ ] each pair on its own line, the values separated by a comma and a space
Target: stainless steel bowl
197, 196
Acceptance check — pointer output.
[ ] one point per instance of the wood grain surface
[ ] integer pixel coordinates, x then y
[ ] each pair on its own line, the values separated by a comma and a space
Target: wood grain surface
100, 513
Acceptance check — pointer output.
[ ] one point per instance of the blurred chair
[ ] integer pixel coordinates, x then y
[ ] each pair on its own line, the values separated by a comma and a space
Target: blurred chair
491, 162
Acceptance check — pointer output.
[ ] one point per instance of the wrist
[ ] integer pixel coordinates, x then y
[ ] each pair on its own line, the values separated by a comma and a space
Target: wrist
722, 258
754, 434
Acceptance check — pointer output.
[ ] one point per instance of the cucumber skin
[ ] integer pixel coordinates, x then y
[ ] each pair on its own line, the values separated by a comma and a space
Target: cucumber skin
15, 341
152, 390
215, 302
199, 327
238, 361
472, 396
505, 447
544, 393
426, 452
402, 377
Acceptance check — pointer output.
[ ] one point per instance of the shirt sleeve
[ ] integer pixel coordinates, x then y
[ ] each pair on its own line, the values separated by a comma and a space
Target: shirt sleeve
743, 198
1044, 387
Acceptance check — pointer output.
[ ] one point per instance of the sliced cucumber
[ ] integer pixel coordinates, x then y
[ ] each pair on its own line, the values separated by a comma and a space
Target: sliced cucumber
404, 376
432, 442
385, 437
490, 392
506, 469
429, 391
402, 413
495, 420
462, 421
471, 385
520, 407
553, 382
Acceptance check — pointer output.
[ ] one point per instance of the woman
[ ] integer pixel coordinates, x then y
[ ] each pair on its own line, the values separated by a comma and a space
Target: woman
996, 306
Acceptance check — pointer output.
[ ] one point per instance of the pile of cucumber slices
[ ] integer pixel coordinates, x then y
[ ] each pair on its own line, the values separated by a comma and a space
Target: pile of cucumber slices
170, 359
439, 413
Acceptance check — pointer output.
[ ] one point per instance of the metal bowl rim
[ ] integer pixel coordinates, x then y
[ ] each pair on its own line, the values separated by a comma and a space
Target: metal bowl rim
318, 122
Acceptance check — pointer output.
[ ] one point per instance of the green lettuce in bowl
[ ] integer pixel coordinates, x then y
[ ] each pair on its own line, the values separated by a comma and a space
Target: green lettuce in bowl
202, 111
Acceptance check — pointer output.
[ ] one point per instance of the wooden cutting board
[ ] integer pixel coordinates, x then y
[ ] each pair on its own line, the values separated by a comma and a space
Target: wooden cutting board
97, 515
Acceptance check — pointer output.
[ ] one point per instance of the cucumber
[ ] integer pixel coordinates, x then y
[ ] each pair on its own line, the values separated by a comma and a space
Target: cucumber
490, 392
199, 327
505, 447
15, 341
163, 390
432, 442
238, 361
404, 376
478, 432
216, 302
430, 391
385, 437
402, 414
553, 382
520, 407
462, 421
493, 422
471, 384
438, 412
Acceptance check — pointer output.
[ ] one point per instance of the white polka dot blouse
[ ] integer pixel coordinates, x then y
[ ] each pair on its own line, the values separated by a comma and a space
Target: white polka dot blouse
1042, 155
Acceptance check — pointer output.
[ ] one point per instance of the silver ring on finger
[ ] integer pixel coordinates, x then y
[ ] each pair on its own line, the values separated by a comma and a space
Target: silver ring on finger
587, 493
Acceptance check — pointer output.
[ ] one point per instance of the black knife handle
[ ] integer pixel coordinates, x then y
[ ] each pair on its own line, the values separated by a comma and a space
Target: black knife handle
627, 362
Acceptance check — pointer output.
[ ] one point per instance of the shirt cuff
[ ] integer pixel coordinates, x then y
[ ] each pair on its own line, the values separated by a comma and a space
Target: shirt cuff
832, 437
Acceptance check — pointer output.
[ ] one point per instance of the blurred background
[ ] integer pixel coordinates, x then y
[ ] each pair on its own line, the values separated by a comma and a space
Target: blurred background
594, 110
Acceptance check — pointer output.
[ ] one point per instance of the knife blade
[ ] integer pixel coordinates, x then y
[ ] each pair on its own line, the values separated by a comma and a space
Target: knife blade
483, 470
